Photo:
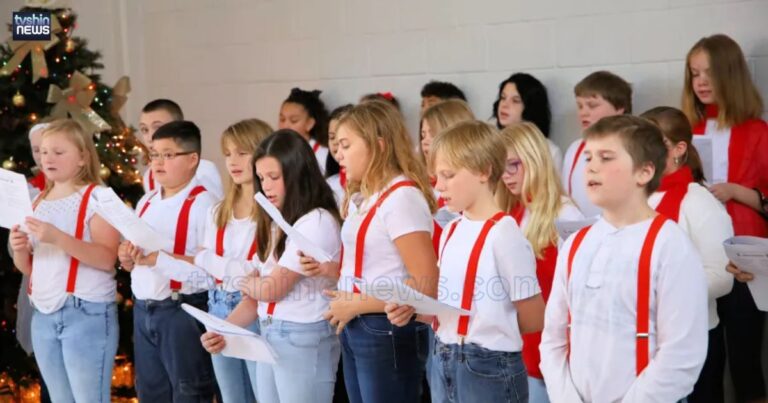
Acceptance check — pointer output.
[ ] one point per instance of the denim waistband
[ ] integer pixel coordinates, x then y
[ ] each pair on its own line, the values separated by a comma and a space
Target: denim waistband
199, 298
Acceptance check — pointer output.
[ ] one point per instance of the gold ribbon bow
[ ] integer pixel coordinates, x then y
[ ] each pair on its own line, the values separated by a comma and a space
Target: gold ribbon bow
22, 48
76, 100
120, 94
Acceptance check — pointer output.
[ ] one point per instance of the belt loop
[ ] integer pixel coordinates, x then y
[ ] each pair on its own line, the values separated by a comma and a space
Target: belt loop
461, 348
175, 296
75, 301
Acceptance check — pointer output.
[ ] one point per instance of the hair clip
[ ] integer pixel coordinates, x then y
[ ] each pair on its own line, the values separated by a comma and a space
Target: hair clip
388, 96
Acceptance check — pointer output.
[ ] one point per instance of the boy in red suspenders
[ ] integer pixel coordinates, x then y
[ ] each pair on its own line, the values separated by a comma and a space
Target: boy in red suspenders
627, 316
171, 365
598, 95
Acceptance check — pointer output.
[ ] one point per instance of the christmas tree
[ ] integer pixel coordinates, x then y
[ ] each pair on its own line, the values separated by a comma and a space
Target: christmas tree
57, 78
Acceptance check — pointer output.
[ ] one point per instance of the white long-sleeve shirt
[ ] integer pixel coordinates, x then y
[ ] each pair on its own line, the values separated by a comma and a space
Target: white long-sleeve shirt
576, 185
602, 296
708, 224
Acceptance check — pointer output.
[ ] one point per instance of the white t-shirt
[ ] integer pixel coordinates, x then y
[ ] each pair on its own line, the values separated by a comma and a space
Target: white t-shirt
50, 266
162, 215
576, 186
557, 156
305, 302
206, 174
322, 153
721, 140
506, 273
234, 266
404, 211
708, 224
334, 181
602, 297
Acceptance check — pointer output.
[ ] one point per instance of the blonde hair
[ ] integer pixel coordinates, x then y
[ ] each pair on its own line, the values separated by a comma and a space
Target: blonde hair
473, 145
542, 193
444, 114
379, 122
74, 133
246, 135
736, 96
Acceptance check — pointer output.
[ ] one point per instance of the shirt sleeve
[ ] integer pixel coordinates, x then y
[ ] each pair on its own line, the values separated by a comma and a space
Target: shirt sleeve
515, 261
319, 226
709, 226
554, 338
405, 211
681, 323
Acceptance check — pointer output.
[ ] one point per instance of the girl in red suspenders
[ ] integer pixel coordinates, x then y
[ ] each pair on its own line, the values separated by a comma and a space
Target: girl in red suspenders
386, 237
337, 182
291, 302
682, 198
227, 251
487, 268
530, 171
305, 113
74, 326
724, 105
626, 319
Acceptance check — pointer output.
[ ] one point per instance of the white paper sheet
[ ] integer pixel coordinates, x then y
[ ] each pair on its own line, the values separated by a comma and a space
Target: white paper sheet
399, 293
703, 145
239, 342
15, 204
124, 220
305, 245
750, 254
568, 228
182, 271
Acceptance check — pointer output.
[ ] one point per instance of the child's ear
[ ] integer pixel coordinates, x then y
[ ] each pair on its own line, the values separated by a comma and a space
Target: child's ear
645, 174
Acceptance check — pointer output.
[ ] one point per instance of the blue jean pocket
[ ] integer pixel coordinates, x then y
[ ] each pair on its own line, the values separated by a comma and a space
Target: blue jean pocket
95, 308
304, 339
486, 365
377, 325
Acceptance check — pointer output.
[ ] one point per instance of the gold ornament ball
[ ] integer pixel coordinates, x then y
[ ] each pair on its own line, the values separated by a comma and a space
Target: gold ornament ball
33, 117
69, 46
9, 164
104, 173
18, 100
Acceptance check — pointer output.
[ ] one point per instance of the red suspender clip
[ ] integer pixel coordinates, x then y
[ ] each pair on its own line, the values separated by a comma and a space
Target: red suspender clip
643, 291
469, 280
361, 233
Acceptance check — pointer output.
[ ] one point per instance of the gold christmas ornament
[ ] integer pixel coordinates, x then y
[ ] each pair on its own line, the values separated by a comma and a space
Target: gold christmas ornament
104, 172
32, 117
18, 100
69, 46
9, 164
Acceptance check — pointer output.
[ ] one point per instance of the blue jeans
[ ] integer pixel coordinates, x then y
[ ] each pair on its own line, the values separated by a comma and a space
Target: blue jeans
382, 362
307, 359
537, 391
236, 377
75, 349
469, 373
171, 364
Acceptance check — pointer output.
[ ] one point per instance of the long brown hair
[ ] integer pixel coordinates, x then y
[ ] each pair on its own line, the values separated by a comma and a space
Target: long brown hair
376, 121
74, 132
675, 127
735, 93
245, 135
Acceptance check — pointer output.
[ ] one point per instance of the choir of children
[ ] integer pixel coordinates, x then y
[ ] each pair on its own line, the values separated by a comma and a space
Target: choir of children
642, 305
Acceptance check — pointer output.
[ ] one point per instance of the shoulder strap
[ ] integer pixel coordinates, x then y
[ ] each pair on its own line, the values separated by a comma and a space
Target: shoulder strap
644, 293
469, 280
79, 230
571, 255
363, 231
182, 226
573, 166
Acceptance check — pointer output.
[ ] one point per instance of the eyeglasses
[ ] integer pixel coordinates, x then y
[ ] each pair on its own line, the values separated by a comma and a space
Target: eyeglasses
513, 166
168, 156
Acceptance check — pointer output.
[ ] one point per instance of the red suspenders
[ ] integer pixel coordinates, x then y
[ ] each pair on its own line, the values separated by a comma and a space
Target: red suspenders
79, 232
643, 290
182, 225
220, 246
151, 181
471, 275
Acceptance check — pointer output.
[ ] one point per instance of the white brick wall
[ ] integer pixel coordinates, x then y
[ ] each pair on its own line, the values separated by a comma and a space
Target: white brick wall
232, 59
